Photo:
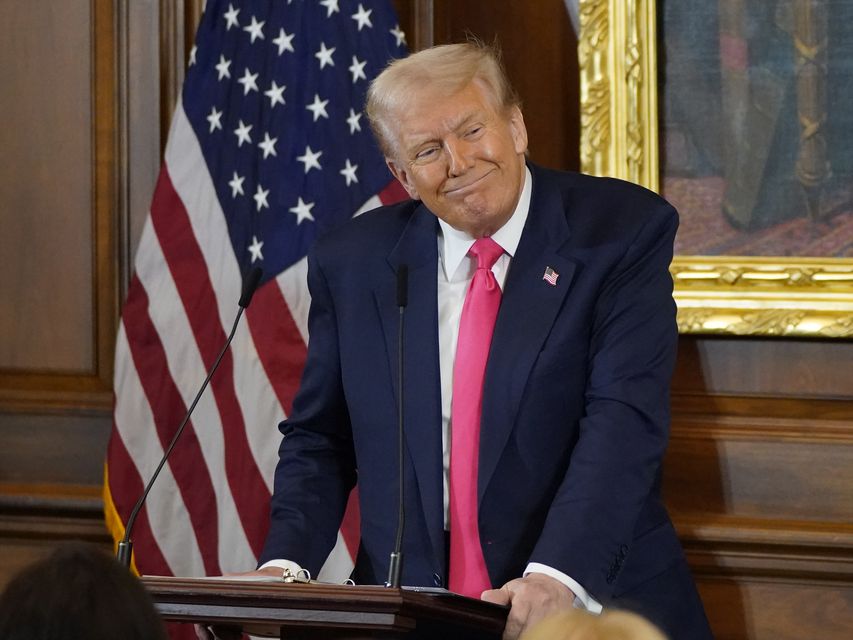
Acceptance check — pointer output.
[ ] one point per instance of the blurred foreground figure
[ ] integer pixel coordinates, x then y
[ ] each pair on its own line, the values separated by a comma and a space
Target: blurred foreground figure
77, 592
579, 625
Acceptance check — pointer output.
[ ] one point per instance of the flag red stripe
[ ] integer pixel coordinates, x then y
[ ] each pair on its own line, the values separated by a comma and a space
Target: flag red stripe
186, 263
182, 631
278, 342
125, 487
168, 408
392, 193
352, 523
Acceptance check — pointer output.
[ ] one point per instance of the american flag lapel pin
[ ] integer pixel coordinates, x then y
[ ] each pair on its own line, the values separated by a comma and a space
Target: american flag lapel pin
550, 276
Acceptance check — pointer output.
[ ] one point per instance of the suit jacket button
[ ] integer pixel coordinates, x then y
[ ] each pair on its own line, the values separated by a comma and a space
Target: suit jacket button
436, 580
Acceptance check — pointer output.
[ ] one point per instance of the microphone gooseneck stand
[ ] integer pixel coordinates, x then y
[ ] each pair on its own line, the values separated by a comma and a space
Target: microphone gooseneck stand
395, 568
125, 547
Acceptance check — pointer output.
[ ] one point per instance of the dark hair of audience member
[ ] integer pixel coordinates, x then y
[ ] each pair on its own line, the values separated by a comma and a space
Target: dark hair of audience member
78, 592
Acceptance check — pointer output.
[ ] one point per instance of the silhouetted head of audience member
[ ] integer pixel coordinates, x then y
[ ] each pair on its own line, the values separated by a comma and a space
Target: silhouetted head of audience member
580, 625
78, 592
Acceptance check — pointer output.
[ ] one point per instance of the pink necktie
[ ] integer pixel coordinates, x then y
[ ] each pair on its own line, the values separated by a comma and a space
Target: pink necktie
468, 574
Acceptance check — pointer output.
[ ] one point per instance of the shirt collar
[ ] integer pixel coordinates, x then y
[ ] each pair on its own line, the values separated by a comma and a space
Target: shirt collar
453, 244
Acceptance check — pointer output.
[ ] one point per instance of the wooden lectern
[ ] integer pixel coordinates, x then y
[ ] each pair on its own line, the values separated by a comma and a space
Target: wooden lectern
312, 611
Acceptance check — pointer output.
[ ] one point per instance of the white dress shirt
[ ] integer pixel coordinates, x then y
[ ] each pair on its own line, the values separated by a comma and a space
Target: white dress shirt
455, 272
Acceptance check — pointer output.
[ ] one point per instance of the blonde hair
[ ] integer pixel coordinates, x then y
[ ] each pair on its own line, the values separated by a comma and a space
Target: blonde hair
580, 625
446, 69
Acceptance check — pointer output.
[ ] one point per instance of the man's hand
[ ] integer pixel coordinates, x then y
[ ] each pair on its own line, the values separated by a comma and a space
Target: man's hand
532, 598
274, 572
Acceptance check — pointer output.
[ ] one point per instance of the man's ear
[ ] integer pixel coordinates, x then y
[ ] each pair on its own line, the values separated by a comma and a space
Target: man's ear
403, 178
518, 130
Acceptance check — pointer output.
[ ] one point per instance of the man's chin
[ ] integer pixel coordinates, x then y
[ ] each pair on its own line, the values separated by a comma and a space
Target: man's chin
476, 223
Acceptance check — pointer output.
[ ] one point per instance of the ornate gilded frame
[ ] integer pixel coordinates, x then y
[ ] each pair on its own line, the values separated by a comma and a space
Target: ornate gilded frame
766, 296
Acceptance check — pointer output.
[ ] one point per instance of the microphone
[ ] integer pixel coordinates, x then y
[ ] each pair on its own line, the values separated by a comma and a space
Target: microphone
395, 568
250, 285
125, 547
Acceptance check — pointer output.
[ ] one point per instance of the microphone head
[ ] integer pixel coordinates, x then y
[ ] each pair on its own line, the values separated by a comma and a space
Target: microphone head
402, 285
250, 284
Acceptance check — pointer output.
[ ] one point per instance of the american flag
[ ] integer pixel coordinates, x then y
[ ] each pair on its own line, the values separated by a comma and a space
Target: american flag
550, 276
268, 147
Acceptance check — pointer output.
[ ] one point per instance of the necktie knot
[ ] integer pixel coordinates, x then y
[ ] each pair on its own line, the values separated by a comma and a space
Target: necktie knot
487, 252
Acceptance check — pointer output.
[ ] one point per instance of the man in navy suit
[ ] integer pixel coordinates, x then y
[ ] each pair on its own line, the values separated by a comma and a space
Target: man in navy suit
575, 414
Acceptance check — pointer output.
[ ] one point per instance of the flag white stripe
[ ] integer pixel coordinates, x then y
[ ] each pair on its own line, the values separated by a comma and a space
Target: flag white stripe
293, 283
338, 565
372, 203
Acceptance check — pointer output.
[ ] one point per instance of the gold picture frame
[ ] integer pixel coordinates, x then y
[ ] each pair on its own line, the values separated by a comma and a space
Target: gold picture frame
732, 295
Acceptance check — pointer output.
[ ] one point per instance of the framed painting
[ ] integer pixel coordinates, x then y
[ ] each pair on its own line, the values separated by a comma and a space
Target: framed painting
739, 113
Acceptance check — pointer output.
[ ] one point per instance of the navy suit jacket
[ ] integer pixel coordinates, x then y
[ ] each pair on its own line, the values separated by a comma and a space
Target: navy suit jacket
575, 409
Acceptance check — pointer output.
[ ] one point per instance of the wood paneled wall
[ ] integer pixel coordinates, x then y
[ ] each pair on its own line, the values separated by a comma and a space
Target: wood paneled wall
84, 92
759, 475
759, 479
58, 287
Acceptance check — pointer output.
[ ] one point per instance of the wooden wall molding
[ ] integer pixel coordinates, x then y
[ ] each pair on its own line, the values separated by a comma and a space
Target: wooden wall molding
34, 519
762, 429
791, 410
81, 395
52, 513
759, 488
747, 547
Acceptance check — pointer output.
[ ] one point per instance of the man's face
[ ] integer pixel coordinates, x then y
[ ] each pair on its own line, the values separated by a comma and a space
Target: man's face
462, 157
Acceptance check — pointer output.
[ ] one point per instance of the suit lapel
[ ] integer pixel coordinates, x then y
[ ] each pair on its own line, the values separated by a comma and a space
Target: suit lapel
528, 309
418, 249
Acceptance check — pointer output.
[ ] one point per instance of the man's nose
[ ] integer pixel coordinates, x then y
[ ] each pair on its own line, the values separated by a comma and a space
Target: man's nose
459, 157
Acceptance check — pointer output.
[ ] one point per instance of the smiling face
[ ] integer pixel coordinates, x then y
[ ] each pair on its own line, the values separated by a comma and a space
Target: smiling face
461, 156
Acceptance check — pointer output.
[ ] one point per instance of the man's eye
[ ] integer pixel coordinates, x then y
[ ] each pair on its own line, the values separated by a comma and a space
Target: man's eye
425, 153
474, 130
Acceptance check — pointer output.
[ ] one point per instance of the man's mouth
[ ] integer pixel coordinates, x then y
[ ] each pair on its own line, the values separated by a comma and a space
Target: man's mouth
463, 190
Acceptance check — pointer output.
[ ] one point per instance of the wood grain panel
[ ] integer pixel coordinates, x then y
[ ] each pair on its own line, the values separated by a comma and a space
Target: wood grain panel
35, 519
58, 449
765, 367
759, 479
777, 610
139, 109
59, 205
761, 469
46, 185
59, 212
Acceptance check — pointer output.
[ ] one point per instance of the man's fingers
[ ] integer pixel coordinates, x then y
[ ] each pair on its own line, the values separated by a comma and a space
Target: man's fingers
517, 614
512, 630
496, 596
516, 621
531, 598
274, 572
